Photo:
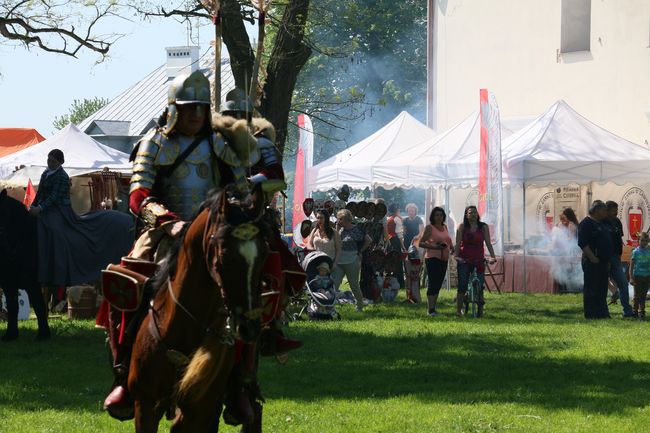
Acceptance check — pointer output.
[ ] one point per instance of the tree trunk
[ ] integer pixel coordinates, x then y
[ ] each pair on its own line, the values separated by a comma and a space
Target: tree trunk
287, 58
236, 39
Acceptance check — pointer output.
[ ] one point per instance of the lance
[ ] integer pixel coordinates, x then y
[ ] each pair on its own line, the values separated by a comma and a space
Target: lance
214, 7
262, 6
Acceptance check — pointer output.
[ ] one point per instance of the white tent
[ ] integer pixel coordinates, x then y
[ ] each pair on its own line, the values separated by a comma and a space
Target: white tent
83, 155
561, 147
354, 166
450, 158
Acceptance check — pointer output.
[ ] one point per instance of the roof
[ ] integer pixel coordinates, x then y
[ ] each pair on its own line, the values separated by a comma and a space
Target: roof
354, 165
136, 109
14, 139
82, 153
562, 146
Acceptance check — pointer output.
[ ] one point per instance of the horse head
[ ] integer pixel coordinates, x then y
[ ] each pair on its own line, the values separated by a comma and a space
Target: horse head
236, 252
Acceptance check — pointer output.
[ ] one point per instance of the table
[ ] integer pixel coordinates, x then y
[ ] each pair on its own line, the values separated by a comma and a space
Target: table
539, 273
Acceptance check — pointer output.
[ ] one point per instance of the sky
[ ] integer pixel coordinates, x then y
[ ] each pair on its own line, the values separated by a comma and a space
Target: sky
37, 86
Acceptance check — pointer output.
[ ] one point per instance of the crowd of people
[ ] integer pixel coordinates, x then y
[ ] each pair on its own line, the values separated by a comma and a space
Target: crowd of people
598, 238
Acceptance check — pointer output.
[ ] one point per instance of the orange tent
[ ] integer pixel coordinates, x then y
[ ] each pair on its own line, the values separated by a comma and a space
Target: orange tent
15, 139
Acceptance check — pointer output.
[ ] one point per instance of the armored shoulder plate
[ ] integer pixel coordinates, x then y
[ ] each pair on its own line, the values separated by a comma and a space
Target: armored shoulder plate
144, 156
224, 151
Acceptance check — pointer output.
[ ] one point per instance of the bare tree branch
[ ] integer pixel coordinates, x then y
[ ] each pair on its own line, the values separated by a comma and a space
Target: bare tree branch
59, 27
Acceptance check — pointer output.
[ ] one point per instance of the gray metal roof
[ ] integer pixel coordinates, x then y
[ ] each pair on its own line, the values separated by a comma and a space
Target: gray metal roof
132, 112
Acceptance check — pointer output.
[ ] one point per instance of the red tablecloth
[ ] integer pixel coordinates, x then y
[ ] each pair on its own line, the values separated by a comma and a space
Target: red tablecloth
539, 275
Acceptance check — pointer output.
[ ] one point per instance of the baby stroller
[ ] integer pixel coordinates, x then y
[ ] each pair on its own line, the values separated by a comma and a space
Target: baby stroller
320, 305
388, 283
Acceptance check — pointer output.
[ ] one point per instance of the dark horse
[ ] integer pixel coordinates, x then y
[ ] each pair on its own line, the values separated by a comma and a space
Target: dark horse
208, 293
18, 264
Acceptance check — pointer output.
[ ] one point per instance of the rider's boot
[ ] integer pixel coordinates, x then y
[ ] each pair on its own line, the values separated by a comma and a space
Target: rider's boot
479, 312
118, 403
12, 315
274, 342
122, 329
38, 304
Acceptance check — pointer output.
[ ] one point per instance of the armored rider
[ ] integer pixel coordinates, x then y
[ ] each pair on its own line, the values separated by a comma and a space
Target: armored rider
174, 166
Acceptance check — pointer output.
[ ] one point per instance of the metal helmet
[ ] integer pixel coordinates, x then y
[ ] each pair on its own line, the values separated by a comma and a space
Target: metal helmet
185, 89
237, 101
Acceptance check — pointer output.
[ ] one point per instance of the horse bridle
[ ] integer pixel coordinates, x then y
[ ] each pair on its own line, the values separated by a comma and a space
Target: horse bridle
244, 232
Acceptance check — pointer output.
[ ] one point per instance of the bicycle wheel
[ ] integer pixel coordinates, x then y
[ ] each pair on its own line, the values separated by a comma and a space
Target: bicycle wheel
473, 297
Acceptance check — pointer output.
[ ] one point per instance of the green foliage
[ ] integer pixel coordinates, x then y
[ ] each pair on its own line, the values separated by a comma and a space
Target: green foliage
533, 365
369, 65
79, 111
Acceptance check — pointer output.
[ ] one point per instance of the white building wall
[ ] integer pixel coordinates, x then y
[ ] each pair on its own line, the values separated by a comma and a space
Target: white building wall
511, 47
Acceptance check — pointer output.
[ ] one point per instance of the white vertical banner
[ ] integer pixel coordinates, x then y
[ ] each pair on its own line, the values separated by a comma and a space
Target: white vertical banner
490, 200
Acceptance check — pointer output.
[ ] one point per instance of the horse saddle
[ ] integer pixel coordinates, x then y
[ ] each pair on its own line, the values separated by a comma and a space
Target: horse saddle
123, 284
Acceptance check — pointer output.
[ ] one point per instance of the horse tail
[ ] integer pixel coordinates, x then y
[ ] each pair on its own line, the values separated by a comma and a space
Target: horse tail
206, 364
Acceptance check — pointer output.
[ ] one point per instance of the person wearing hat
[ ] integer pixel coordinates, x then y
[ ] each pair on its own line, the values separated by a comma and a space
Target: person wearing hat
323, 282
237, 119
177, 162
175, 165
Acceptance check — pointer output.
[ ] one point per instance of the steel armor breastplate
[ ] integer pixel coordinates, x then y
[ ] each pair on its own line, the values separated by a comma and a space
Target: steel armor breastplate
189, 184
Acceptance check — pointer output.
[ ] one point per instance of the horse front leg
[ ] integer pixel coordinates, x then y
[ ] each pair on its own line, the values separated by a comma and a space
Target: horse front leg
256, 425
38, 304
203, 418
147, 417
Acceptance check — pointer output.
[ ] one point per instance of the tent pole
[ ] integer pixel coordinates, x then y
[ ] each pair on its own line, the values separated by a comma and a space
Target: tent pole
524, 234
448, 285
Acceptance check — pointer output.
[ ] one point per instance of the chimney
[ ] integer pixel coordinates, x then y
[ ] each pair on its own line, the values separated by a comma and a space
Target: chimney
181, 60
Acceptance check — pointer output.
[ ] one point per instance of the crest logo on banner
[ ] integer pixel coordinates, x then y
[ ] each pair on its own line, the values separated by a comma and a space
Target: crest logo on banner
633, 211
545, 211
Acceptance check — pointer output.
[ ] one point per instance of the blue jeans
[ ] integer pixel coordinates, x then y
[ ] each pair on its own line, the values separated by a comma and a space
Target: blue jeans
620, 279
464, 270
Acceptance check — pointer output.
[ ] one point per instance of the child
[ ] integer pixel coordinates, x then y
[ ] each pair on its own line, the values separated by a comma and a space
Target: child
323, 283
640, 274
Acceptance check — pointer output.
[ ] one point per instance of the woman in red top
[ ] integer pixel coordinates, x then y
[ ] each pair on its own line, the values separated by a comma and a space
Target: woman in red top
472, 234
437, 245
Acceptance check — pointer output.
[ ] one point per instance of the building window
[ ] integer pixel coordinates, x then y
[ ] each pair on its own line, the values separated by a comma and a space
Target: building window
576, 25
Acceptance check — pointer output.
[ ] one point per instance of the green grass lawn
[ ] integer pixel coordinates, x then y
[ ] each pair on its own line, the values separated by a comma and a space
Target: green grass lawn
531, 365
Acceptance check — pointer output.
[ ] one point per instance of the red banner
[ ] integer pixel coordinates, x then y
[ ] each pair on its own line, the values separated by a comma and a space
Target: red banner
490, 184
303, 162
30, 194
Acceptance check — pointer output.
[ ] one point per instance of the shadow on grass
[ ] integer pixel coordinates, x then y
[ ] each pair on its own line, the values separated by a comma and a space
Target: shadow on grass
456, 369
459, 365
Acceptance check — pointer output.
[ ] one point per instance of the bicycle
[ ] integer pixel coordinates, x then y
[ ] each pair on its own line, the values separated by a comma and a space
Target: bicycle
474, 293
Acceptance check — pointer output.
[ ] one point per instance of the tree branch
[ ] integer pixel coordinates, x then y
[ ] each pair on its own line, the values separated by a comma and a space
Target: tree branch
51, 26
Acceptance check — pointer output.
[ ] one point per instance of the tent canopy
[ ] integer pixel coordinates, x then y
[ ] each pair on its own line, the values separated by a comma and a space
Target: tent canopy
83, 155
561, 146
15, 139
354, 165
449, 158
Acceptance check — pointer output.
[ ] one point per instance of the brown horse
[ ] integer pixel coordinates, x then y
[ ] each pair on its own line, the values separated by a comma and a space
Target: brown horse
208, 295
